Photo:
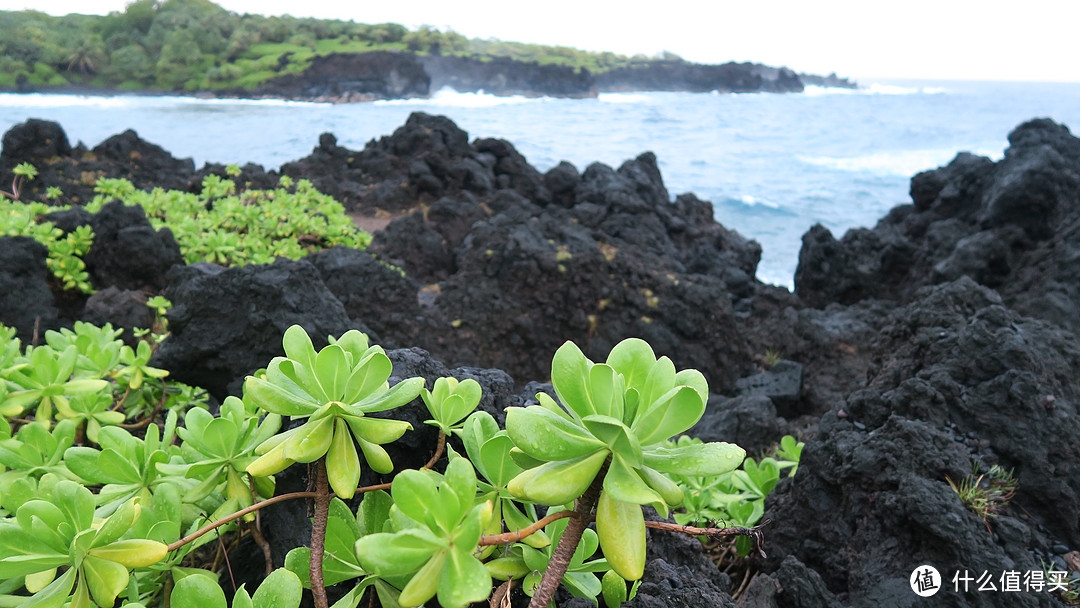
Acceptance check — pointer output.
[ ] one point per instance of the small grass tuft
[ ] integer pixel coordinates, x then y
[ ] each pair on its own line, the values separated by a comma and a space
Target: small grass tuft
986, 494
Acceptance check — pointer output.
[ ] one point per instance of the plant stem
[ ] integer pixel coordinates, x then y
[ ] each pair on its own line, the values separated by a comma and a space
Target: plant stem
318, 534
255, 507
228, 518
513, 537
571, 536
438, 450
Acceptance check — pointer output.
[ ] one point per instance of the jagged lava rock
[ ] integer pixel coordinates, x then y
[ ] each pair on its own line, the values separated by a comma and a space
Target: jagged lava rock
127, 252
1010, 225
227, 322
75, 169
26, 302
957, 376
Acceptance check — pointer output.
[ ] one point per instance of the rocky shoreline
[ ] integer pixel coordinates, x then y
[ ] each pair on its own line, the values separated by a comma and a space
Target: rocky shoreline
356, 77
944, 336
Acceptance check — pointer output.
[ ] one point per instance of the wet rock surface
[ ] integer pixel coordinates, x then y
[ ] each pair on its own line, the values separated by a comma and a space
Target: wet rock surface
942, 339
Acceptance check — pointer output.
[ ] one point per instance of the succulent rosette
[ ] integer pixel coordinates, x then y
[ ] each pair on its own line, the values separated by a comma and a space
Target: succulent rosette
334, 388
618, 412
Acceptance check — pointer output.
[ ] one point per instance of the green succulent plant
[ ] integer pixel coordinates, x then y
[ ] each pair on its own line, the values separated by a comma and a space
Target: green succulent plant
450, 401
219, 449
439, 526
126, 466
136, 366
98, 347
614, 417
44, 381
334, 389
488, 448
282, 589
46, 536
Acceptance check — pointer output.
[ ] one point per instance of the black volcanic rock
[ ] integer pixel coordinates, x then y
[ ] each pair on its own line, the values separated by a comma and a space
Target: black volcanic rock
506, 76
530, 277
352, 77
127, 252
26, 302
427, 158
33, 141
227, 322
1009, 225
75, 169
144, 162
677, 75
957, 378
372, 293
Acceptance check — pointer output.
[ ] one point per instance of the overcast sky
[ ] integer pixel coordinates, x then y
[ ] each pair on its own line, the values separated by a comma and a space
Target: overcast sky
924, 39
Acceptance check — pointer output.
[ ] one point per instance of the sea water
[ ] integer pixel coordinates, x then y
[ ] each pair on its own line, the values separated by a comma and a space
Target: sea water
772, 165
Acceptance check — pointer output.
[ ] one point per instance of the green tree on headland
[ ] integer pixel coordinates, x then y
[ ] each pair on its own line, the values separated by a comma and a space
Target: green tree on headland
197, 45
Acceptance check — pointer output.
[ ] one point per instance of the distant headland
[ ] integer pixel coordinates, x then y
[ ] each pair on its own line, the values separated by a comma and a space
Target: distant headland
196, 47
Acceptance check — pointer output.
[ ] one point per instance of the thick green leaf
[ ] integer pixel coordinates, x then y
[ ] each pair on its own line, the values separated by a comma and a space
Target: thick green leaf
298, 346
414, 493
105, 579
241, 599
278, 399
282, 589
633, 358
342, 461
354, 342
623, 483
460, 478
118, 523
494, 460
133, 552
312, 441
670, 415
198, 590
569, 372
619, 439
660, 380
397, 396
424, 584
76, 502
464, 580
700, 460
332, 372
397, 554
374, 512
671, 492
620, 526
614, 589
377, 430
368, 378
55, 594
546, 436
557, 483
376, 457
21, 565
605, 391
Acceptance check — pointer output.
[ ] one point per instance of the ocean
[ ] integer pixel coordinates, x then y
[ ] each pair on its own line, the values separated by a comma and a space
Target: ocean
772, 165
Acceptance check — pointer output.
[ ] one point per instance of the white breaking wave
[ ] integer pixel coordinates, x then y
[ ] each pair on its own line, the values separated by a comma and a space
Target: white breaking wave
752, 201
873, 89
42, 100
904, 163
632, 98
447, 97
